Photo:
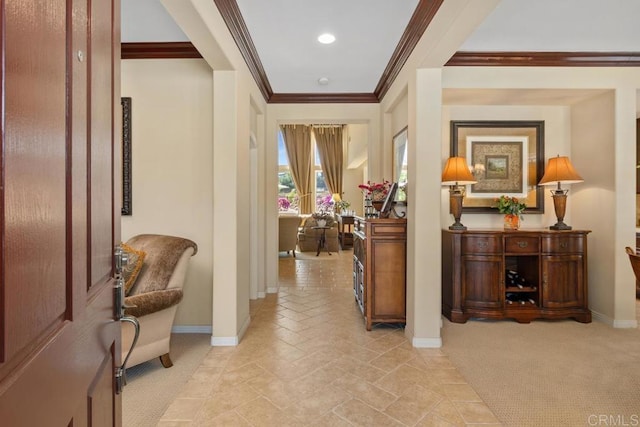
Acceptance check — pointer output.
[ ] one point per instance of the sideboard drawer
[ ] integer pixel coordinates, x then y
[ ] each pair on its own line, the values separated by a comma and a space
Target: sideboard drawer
521, 244
563, 244
481, 244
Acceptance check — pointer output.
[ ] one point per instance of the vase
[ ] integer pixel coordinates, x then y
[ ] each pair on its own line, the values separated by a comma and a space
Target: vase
511, 222
377, 204
322, 222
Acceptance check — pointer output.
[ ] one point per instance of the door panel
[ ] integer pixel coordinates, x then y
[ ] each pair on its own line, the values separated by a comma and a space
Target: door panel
482, 277
565, 290
34, 176
59, 343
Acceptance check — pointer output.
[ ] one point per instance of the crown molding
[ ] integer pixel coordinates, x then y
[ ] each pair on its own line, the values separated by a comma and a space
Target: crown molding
422, 16
420, 20
544, 59
322, 98
159, 50
235, 23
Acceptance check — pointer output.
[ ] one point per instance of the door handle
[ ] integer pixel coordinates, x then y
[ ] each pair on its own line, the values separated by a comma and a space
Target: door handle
121, 259
121, 371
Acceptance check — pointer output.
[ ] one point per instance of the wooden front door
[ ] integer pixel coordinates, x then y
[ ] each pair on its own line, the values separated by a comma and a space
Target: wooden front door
59, 342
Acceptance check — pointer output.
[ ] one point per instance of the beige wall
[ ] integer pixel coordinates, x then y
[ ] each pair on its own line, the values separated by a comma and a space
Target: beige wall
171, 166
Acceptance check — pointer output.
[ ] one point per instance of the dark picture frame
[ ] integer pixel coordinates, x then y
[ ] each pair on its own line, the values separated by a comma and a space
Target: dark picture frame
507, 157
126, 156
389, 201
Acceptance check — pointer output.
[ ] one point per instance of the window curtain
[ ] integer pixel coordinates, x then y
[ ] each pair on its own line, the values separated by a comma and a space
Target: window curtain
329, 143
297, 141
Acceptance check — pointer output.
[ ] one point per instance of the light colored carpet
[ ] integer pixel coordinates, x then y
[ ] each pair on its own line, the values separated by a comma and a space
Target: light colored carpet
545, 373
151, 387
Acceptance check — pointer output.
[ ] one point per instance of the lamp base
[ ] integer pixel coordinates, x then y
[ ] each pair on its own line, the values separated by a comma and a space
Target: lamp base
560, 226
457, 226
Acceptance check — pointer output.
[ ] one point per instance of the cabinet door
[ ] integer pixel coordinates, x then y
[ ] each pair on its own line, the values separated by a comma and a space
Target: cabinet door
482, 281
562, 281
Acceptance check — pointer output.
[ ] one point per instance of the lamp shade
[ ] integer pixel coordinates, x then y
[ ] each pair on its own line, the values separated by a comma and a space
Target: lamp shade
456, 172
559, 169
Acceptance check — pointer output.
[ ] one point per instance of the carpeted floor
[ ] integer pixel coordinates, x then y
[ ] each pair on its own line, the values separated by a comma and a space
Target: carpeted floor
151, 387
561, 373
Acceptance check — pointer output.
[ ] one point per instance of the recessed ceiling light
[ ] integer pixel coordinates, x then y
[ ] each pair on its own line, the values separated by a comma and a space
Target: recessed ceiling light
326, 38
323, 81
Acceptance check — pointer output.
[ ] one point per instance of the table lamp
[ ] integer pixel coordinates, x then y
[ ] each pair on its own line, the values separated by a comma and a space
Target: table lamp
560, 170
456, 175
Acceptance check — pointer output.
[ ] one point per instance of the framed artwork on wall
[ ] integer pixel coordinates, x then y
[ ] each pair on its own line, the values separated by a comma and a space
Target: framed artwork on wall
126, 156
506, 158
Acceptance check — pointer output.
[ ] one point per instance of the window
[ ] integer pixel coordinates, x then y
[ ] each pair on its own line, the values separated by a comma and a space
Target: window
287, 194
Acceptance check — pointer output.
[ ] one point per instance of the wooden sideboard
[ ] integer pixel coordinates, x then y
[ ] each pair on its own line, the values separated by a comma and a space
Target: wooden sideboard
379, 269
522, 275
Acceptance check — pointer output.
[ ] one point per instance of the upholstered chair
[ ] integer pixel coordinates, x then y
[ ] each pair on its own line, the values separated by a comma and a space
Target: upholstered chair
288, 233
154, 295
308, 236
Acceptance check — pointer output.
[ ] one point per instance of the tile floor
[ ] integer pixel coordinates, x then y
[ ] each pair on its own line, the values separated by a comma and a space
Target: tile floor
307, 360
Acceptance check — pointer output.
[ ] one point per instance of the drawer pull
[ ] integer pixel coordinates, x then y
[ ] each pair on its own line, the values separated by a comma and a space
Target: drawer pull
483, 245
523, 244
564, 245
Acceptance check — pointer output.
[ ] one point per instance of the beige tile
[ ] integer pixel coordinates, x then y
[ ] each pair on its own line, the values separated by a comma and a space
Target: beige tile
197, 389
307, 359
475, 412
438, 362
368, 393
278, 392
432, 420
309, 384
225, 401
330, 420
241, 375
320, 403
405, 376
261, 412
175, 424
359, 369
413, 405
387, 342
461, 393
446, 411
392, 359
360, 414
228, 419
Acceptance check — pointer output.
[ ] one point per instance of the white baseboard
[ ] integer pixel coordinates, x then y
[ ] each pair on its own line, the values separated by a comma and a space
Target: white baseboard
427, 342
625, 324
224, 341
618, 324
272, 290
203, 329
262, 294
231, 341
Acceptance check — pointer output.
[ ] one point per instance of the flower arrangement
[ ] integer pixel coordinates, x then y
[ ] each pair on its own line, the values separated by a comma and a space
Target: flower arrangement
513, 208
375, 191
342, 205
283, 203
510, 206
324, 205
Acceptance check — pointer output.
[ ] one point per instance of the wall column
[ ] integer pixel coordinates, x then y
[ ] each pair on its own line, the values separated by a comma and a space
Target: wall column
225, 208
625, 218
424, 235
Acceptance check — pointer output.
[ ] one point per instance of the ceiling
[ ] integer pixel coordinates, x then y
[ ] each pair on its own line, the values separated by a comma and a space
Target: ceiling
367, 32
